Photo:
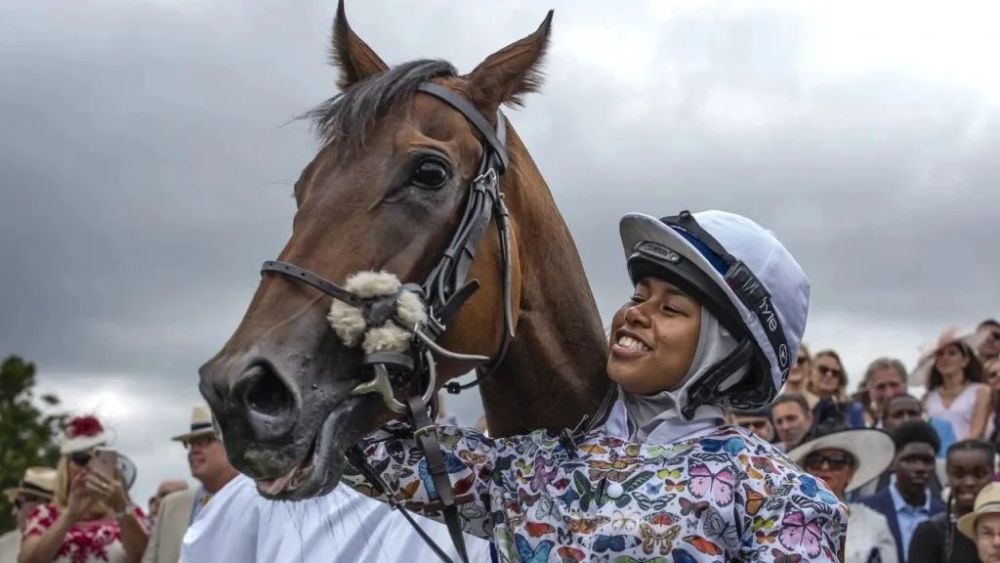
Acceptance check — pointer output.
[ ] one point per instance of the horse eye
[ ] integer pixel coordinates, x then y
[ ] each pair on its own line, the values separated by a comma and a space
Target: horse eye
430, 174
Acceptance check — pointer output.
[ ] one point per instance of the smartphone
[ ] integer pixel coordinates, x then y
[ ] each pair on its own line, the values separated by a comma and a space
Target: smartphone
105, 462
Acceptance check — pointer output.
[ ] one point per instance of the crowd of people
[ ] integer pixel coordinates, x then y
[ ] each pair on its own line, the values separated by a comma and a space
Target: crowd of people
914, 474
909, 468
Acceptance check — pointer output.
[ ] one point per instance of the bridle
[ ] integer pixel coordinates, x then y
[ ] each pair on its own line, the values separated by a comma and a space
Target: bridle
443, 292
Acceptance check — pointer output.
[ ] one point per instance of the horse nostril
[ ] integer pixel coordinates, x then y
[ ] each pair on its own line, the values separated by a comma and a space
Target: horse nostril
267, 400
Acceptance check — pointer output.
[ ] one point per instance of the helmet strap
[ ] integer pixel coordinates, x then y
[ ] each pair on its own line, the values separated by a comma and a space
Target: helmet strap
706, 389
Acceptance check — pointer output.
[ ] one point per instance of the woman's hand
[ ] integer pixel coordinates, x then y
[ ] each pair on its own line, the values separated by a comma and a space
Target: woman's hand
81, 501
110, 491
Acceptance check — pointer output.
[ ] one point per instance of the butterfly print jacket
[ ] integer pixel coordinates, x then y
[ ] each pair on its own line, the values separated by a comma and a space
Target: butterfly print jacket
716, 495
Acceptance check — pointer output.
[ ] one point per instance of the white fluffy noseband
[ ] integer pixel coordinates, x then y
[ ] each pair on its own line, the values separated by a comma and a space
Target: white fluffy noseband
349, 322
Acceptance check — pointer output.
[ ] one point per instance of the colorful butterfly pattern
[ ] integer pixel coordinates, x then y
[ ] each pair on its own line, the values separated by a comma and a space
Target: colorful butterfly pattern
719, 495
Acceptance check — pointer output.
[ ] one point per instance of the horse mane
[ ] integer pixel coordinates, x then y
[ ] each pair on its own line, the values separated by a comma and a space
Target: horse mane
347, 116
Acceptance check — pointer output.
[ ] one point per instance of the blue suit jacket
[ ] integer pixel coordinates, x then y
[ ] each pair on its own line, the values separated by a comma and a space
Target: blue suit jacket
882, 502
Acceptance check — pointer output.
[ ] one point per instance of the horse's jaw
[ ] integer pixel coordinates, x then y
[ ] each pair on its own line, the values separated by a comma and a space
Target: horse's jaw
319, 470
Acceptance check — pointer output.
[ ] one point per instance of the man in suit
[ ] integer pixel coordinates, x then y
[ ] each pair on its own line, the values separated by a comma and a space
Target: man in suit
908, 501
209, 465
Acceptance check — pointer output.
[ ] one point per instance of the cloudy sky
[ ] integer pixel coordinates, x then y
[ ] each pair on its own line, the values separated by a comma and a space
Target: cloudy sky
148, 151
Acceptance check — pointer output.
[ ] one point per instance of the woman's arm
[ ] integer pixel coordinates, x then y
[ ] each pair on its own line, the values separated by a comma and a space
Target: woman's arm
980, 412
42, 546
134, 534
401, 466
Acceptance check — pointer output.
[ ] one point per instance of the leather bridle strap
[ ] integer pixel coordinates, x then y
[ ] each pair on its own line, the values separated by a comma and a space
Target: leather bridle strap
473, 115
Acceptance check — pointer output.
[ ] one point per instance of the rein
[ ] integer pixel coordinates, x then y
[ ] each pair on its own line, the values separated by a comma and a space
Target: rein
440, 296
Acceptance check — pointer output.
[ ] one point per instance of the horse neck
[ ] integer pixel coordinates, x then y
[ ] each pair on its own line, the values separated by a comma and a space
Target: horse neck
554, 372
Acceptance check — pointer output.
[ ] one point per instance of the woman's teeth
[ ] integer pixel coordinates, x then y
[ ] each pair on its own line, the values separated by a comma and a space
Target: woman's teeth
632, 344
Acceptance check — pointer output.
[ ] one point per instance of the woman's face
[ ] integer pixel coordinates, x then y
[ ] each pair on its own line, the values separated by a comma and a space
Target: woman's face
968, 472
797, 374
653, 338
950, 360
834, 466
826, 376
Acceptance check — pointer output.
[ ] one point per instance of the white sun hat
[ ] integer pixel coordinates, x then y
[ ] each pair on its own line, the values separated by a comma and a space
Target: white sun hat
873, 451
82, 433
37, 481
763, 284
201, 424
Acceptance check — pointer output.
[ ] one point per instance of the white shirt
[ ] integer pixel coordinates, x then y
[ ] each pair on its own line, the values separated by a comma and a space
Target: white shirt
239, 525
10, 546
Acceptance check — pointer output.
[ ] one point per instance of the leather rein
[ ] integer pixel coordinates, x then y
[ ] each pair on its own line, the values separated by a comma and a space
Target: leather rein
443, 292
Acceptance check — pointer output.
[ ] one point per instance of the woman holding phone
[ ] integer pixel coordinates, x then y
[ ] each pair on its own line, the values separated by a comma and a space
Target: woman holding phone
92, 518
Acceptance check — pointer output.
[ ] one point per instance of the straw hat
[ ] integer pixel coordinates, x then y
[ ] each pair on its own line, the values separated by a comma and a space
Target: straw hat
987, 502
82, 433
201, 424
968, 341
873, 452
37, 481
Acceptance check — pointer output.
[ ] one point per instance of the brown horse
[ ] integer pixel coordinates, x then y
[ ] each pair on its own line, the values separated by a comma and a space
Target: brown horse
386, 192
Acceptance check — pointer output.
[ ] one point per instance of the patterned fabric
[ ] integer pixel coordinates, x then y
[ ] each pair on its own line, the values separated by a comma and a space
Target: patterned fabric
717, 495
86, 542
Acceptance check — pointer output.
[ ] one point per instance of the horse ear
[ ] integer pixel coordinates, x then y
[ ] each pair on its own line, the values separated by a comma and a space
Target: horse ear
355, 59
511, 72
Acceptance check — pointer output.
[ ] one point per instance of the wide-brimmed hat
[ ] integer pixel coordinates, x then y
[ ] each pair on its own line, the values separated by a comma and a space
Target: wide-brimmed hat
37, 482
968, 341
201, 424
873, 452
82, 433
987, 502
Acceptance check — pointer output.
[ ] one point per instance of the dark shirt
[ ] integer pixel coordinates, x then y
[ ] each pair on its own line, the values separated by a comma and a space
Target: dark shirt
928, 544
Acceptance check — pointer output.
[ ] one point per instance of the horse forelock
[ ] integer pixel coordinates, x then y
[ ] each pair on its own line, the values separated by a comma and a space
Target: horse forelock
346, 117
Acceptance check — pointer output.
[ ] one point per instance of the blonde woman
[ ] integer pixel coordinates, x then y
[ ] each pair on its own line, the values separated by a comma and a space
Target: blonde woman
798, 377
829, 382
92, 518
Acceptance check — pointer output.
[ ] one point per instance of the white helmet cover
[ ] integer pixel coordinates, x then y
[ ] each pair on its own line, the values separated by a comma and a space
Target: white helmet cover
757, 274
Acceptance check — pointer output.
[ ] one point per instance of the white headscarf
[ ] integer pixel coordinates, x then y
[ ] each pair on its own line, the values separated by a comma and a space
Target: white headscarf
657, 418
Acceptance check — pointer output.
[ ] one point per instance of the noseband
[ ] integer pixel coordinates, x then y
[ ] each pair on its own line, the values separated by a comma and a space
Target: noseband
442, 293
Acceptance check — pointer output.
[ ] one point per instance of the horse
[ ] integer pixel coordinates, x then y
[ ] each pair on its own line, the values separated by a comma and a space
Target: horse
386, 192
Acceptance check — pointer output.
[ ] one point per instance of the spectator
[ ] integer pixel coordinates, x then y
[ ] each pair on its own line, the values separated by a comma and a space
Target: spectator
845, 458
884, 378
210, 466
897, 411
829, 382
901, 408
798, 377
991, 376
792, 419
955, 389
988, 335
92, 518
165, 488
36, 487
970, 468
757, 421
982, 525
907, 501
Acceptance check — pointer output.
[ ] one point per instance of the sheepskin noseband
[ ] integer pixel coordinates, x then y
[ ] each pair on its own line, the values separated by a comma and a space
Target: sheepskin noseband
393, 333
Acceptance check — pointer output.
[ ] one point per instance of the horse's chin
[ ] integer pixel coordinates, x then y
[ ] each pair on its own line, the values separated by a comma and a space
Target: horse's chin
319, 471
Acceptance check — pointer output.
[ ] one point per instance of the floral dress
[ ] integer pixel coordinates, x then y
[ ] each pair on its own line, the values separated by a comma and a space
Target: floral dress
721, 494
91, 541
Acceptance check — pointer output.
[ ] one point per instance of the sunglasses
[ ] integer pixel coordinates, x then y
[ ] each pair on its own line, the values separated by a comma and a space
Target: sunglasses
81, 458
200, 441
802, 360
947, 352
835, 461
824, 370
